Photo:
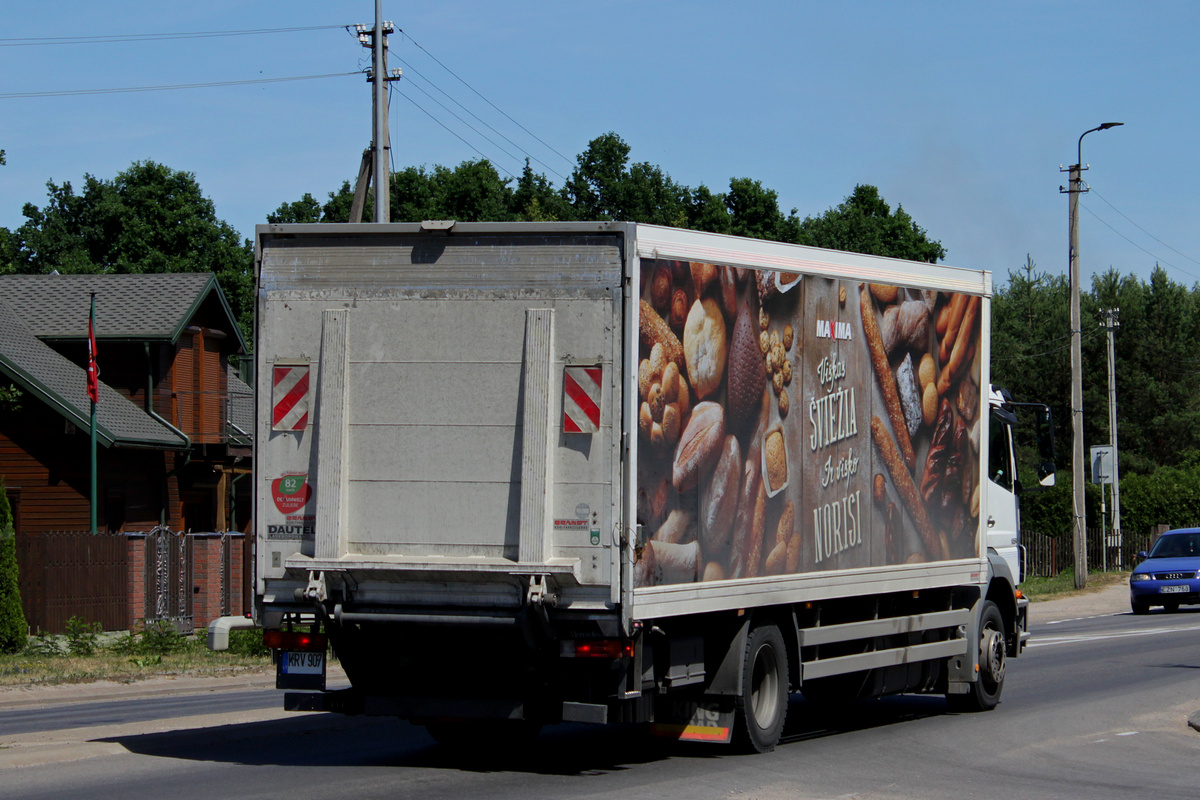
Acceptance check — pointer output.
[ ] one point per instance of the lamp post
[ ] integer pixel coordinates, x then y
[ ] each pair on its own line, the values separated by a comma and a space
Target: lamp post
1079, 529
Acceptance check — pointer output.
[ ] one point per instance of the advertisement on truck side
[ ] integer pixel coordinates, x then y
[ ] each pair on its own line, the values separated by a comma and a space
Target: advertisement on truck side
795, 423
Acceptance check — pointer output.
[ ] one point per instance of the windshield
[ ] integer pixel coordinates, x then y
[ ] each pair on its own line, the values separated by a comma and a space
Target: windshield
1181, 545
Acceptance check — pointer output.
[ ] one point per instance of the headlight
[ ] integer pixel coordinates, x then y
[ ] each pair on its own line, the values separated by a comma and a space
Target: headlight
1140, 576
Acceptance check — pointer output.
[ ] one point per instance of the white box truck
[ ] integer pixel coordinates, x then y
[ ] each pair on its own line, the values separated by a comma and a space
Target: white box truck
525, 473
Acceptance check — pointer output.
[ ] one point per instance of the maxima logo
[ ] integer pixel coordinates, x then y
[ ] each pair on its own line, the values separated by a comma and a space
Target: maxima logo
832, 329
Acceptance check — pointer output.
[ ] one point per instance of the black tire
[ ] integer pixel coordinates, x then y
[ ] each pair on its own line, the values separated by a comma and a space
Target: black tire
984, 694
1140, 607
763, 699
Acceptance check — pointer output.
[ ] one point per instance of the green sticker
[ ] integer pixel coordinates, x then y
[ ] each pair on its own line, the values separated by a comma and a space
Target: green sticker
290, 484
595, 536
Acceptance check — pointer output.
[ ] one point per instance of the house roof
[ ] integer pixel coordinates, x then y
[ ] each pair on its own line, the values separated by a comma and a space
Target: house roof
62, 385
241, 411
147, 307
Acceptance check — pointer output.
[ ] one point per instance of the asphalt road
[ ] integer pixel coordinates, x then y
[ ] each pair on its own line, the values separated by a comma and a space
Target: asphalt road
1097, 708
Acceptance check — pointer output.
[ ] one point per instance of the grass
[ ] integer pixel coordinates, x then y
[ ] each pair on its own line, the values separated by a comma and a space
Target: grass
1063, 584
49, 660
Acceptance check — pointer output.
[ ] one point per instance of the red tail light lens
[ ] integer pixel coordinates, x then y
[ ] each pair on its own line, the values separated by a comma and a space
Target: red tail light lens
295, 640
603, 648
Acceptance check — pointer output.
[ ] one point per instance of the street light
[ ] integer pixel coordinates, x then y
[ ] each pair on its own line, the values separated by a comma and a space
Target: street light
1079, 529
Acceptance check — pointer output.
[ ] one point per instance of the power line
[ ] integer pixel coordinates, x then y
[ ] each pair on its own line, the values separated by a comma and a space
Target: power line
210, 84
151, 37
453, 133
1053, 351
1138, 246
1143, 230
489, 102
464, 122
414, 71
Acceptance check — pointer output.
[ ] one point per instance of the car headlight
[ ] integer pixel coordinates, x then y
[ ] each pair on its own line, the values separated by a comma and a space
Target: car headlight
1140, 576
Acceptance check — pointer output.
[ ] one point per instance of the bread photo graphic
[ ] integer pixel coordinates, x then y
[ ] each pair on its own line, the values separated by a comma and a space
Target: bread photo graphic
704, 346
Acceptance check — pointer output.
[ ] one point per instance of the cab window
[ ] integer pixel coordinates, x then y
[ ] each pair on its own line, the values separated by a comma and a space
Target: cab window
1000, 467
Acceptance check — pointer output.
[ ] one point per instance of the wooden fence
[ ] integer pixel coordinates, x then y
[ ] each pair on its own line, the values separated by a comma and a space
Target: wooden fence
65, 574
120, 580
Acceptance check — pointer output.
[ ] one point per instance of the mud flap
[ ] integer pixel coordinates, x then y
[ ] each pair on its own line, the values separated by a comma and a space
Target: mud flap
703, 719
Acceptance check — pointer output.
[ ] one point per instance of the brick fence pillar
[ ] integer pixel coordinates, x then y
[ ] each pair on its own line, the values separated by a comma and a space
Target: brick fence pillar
135, 546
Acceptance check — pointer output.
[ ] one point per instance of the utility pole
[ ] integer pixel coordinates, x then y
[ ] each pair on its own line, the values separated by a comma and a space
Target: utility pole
375, 159
1112, 322
1079, 529
1079, 526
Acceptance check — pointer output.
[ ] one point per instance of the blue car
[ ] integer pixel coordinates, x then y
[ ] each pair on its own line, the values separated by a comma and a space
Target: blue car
1170, 574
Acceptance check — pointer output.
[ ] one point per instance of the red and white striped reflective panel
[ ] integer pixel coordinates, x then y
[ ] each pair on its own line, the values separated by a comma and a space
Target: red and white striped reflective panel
581, 399
290, 398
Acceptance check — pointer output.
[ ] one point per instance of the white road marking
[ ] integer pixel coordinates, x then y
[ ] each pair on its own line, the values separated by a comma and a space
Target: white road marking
1098, 637
1079, 619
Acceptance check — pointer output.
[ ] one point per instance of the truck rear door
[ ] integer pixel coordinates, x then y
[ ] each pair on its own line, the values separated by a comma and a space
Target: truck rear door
439, 416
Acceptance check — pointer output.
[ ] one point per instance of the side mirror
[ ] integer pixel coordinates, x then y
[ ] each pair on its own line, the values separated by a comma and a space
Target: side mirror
1143, 555
1046, 473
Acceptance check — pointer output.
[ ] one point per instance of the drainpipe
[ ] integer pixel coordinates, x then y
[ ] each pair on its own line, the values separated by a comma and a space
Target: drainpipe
187, 442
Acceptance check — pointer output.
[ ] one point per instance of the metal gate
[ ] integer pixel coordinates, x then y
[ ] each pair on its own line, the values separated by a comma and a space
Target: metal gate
169, 578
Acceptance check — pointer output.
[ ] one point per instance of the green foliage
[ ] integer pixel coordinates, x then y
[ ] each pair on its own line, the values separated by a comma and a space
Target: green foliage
306, 209
83, 637
1168, 496
1157, 370
42, 644
10, 397
13, 630
247, 642
148, 219
157, 638
864, 223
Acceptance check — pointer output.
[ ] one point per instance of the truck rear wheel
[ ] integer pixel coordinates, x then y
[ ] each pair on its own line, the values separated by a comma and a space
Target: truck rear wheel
762, 701
993, 647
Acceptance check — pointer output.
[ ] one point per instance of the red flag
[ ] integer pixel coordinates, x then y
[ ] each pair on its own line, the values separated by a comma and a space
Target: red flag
93, 372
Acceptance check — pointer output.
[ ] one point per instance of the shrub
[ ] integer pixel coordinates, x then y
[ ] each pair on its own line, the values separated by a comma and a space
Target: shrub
83, 637
13, 631
42, 644
160, 638
155, 639
248, 643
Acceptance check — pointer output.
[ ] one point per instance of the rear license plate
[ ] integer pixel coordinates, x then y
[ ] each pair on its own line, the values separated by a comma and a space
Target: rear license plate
1173, 589
301, 663
300, 671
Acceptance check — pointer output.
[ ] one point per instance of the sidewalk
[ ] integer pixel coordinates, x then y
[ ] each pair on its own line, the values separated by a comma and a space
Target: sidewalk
1113, 599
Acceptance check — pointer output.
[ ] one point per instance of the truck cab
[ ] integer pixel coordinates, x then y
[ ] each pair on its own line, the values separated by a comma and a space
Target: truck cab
1004, 485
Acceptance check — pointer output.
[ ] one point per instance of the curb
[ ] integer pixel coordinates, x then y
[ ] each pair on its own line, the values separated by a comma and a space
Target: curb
1194, 721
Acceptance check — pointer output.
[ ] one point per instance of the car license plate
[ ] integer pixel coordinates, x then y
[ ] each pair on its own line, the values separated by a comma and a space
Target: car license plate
302, 663
1173, 589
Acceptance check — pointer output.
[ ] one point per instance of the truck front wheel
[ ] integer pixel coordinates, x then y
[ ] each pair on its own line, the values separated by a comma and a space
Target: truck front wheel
762, 701
985, 691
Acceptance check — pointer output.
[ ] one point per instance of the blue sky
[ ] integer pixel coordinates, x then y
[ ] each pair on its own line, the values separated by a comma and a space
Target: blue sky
961, 112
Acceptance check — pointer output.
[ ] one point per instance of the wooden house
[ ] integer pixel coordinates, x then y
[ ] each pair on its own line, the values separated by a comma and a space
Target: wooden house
173, 418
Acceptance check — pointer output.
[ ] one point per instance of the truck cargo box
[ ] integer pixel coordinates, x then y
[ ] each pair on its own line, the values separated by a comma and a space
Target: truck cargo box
667, 441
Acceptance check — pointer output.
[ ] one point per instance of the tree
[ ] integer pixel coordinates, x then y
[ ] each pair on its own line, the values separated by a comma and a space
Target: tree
306, 209
864, 223
13, 630
149, 218
754, 211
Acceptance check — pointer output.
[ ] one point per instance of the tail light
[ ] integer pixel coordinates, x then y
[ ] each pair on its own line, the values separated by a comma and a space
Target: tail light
611, 649
295, 641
